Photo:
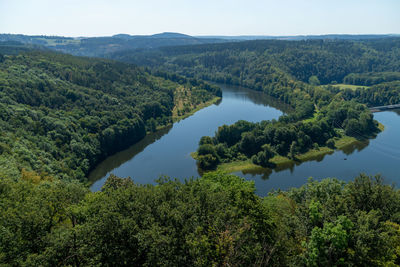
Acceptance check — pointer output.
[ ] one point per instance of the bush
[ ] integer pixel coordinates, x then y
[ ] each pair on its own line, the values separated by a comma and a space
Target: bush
208, 162
330, 143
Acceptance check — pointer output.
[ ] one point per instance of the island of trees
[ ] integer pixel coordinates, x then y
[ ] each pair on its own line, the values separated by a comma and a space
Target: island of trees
267, 142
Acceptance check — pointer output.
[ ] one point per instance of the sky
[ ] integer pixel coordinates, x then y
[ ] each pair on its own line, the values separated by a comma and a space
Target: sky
199, 17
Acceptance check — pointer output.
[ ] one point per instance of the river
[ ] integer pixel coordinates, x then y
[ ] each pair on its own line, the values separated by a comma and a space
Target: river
167, 152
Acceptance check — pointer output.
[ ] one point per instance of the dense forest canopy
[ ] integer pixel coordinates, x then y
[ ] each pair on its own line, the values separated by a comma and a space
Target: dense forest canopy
234, 63
385, 93
371, 78
216, 220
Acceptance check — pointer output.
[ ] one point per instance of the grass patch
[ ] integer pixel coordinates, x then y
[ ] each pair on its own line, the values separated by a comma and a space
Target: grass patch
56, 41
343, 86
314, 153
344, 141
279, 161
381, 127
236, 166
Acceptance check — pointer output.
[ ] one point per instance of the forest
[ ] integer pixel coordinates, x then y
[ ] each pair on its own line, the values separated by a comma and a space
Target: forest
247, 63
61, 114
386, 93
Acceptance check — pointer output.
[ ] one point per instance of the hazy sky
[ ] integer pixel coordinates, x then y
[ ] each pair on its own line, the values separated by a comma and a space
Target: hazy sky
199, 17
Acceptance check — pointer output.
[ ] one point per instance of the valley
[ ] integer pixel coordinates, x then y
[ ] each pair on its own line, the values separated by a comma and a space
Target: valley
171, 150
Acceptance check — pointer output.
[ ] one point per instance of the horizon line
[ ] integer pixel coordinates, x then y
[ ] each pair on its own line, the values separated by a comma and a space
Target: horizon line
207, 35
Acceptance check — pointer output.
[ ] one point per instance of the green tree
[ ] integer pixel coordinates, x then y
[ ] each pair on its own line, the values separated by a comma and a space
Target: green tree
328, 245
313, 80
263, 157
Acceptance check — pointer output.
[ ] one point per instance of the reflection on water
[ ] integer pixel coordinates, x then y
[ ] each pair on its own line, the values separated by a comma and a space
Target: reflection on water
119, 158
264, 173
356, 146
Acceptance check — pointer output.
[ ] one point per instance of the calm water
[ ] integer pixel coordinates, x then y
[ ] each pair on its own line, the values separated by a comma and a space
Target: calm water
167, 152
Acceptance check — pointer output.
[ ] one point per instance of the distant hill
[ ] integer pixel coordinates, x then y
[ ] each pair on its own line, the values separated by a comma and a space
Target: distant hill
173, 35
302, 37
158, 35
101, 46
15, 47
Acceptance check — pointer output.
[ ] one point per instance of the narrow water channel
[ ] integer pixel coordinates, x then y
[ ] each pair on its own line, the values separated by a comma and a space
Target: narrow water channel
167, 152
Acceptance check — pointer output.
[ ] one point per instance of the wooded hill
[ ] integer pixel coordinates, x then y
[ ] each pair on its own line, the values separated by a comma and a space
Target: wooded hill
60, 114
246, 63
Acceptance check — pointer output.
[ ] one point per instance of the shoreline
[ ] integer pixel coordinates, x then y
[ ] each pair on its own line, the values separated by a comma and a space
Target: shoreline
186, 115
193, 111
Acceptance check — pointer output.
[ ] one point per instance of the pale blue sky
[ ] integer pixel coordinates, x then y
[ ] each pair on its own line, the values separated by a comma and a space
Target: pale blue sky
201, 17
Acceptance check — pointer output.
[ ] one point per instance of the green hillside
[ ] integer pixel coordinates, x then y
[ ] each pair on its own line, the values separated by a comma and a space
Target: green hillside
60, 115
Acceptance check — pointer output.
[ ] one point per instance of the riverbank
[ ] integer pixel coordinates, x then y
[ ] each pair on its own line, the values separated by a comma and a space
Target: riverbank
281, 162
176, 117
